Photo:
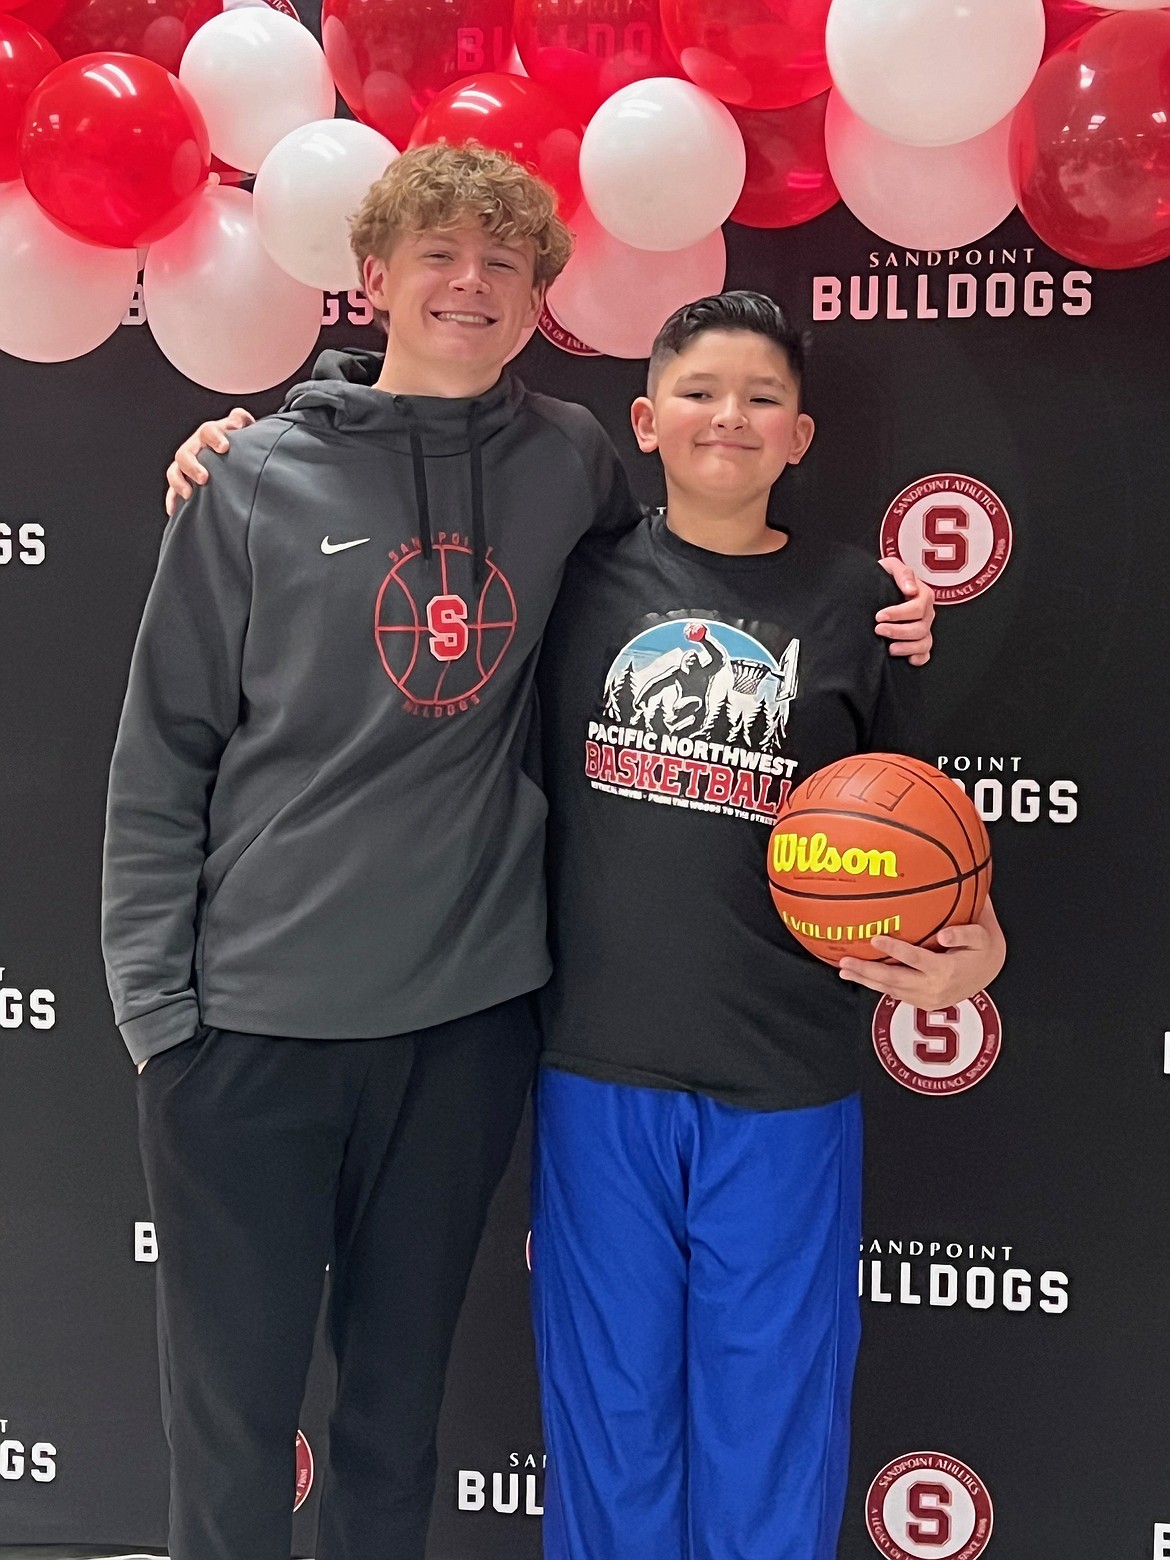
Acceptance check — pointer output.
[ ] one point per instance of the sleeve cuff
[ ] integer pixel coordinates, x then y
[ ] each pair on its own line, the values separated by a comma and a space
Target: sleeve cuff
160, 1029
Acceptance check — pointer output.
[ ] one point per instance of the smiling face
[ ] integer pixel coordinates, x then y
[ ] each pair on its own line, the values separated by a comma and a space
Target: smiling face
725, 416
458, 301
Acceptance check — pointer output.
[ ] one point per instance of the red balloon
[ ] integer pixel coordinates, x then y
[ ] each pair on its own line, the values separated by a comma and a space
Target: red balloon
1090, 144
751, 53
392, 58
25, 59
159, 30
1062, 18
586, 50
38, 14
114, 149
788, 179
516, 116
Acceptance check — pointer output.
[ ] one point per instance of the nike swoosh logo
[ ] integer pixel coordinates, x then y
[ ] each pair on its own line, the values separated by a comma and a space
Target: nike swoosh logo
331, 547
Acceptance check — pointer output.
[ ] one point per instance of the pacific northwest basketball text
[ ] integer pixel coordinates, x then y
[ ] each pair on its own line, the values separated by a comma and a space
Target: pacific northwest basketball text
800, 853
687, 772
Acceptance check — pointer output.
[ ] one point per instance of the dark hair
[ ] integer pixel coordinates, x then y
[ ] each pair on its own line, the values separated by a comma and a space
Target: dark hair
748, 311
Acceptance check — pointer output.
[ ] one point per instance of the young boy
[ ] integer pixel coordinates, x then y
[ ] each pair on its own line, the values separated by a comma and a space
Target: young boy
367, 871
697, 1181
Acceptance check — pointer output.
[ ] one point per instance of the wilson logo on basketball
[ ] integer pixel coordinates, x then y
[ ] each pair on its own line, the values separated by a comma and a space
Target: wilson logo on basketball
799, 853
441, 634
927, 1504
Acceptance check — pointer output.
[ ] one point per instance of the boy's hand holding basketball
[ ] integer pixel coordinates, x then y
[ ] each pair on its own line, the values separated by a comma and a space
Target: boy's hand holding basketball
971, 957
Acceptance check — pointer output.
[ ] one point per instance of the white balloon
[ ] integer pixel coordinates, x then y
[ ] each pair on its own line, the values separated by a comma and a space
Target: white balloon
255, 74
220, 308
662, 163
308, 187
59, 297
933, 72
616, 298
919, 197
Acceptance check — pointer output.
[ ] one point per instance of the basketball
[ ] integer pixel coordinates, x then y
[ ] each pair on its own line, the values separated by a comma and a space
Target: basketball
877, 845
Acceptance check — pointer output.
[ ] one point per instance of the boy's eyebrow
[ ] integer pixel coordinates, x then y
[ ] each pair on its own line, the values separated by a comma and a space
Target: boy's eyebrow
446, 236
757, 379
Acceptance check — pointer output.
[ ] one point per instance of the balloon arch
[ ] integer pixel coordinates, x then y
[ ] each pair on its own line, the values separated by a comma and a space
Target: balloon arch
129, 130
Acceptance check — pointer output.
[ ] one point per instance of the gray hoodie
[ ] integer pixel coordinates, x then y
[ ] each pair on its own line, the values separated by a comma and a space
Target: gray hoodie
319, 823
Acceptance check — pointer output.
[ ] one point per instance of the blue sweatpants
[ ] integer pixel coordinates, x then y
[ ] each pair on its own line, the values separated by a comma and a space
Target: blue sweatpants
697, 1323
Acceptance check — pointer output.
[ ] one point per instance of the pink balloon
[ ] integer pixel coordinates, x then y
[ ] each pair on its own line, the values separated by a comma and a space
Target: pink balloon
220, 308
616, 298
59, 297
919, 197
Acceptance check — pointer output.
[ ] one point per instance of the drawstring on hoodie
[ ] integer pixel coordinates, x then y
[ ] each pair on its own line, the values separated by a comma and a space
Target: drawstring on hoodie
422, 494
478, 528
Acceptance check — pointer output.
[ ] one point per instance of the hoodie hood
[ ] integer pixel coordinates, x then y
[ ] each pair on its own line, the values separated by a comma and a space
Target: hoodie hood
424, 426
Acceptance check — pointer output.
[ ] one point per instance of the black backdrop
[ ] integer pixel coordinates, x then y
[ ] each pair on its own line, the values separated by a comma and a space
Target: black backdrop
1037, 1198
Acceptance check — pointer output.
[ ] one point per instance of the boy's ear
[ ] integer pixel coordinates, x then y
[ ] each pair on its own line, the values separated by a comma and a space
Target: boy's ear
373, 280
642, 419
805, 428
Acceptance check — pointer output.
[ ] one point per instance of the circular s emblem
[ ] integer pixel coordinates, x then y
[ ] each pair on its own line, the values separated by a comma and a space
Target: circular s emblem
927, 1506
945, 1051
953, 531
441, 633
304, 1481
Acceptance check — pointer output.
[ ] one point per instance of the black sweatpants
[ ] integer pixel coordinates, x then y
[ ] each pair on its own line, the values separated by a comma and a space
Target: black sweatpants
265, 1159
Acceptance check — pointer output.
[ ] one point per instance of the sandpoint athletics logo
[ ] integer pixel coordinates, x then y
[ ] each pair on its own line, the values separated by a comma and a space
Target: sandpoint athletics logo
945, 1051
953, 531
304, 1471
552, 330
928, 1505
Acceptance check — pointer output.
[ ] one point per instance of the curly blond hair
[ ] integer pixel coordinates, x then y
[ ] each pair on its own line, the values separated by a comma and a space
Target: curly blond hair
438, 186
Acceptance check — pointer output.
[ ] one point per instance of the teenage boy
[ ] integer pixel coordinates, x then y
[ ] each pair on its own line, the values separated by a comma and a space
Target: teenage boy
406, 890
324, 900
697, 1182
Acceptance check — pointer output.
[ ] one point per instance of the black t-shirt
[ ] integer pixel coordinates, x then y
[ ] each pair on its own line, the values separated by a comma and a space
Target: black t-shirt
683, 694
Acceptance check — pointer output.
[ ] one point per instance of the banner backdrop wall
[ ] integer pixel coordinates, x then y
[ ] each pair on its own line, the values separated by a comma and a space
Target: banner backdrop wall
998, 417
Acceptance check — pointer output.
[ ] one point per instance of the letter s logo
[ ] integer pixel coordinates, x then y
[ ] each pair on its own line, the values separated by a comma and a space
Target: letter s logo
447, 621
943, 526
927, 1502
939, 1032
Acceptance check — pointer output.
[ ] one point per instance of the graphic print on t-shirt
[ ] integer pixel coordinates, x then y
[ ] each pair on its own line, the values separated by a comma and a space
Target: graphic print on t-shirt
693, 714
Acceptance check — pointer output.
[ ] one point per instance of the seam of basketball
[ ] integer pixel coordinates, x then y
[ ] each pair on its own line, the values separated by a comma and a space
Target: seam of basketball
885, 893
944, 797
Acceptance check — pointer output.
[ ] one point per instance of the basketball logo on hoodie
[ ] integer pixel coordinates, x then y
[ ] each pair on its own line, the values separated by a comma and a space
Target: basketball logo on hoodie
441, 632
